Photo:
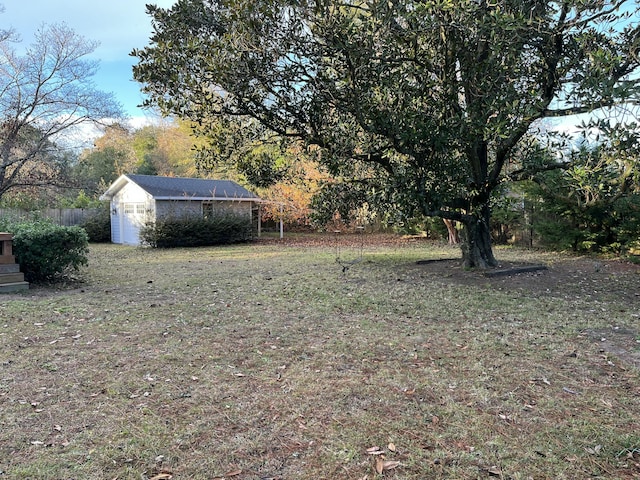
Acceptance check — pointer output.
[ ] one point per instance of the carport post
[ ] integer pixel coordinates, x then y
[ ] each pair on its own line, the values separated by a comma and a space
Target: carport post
281, 221
259, 220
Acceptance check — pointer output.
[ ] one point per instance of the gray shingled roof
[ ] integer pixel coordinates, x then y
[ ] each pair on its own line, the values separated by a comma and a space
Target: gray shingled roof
176, 188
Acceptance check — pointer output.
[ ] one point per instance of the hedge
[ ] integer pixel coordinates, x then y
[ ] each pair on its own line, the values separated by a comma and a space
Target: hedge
46, 251
187, 231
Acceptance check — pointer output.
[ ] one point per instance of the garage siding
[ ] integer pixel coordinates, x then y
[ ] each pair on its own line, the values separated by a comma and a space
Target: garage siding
116, 233
173, 208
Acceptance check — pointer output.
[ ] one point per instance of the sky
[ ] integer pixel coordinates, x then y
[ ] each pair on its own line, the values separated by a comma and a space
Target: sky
118, 25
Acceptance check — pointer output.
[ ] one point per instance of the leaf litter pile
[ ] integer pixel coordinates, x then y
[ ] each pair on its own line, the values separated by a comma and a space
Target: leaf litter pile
271, 361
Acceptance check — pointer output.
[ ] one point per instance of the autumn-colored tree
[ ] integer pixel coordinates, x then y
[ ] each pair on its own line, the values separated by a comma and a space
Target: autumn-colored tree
291, 198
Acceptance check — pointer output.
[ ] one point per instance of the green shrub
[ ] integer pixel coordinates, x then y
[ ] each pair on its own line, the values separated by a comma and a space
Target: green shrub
197, 231
611, 227
46, 251
591, 206
98, 226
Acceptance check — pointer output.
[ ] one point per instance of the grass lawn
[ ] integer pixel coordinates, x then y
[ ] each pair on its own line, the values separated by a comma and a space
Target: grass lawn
268, 361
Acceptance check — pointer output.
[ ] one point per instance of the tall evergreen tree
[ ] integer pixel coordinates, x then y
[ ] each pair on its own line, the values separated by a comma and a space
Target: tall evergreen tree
421, 101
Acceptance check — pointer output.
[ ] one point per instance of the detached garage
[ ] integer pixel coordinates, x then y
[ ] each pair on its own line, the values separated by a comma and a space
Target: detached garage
138, 199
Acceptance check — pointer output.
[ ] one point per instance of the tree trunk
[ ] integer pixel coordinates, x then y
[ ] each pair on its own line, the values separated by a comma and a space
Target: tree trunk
454, 238
476, 241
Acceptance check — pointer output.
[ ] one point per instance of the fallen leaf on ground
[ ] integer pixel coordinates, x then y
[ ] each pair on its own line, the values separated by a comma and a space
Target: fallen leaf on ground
391, 447
232, 473
374, 450
390, 464
494, 471
382, 465
162, 476
595, 450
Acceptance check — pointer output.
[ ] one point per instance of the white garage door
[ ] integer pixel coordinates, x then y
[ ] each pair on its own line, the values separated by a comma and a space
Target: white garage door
132, 220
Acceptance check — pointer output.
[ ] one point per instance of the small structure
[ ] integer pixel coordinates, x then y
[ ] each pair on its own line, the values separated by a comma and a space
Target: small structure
11, 279
139, 199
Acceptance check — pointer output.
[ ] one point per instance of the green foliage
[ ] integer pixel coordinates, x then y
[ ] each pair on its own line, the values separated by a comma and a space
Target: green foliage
82, 200
424, 101
611, 226
98, 226
592, 206
48, 252
145, 141
337, 199
263, 167
192, 231
99, 167
146, 166
245, 145
507, 217
22, 200
428, 227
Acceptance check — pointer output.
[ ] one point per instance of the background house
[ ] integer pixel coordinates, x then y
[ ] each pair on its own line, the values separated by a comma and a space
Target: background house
138, 199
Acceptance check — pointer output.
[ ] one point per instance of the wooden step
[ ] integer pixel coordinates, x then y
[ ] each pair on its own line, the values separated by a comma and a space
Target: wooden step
14, 287
11, 278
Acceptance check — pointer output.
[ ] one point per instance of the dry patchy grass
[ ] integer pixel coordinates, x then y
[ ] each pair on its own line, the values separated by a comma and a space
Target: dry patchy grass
267, 361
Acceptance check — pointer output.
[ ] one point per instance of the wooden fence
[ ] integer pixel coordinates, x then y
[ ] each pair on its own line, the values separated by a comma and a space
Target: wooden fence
67, 217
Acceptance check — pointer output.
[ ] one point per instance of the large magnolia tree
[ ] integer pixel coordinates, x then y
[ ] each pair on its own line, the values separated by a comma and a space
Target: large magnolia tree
46, 93
423, 102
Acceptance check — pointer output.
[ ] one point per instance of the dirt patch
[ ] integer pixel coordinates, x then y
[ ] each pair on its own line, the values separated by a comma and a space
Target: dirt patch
596, 281
541, 274
569, 276
623, 343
